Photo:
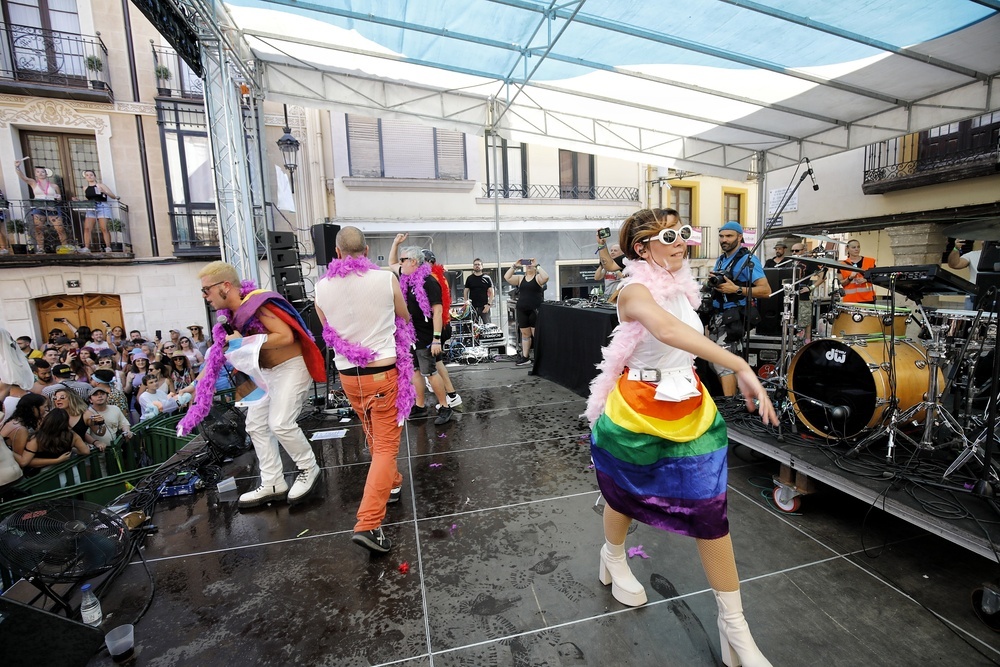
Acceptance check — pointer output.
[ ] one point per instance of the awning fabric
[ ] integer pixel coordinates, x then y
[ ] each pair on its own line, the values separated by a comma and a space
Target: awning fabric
701, 85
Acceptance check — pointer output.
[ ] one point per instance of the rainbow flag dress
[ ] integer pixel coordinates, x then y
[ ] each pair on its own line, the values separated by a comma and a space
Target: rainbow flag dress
663, 463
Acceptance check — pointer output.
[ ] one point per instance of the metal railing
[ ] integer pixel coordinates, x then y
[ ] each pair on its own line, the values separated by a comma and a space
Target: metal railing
603, 192
53, 57
173, 76
58, 227
195, 232
883, 161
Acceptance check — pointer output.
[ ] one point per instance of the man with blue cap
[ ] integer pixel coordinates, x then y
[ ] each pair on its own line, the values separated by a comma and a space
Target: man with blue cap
736, 276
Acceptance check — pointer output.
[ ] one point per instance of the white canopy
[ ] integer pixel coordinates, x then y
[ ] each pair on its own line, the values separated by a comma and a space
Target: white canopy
702, 85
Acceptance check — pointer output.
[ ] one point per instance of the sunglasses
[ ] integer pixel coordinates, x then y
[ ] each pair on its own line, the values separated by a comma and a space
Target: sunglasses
206, 290
670, 235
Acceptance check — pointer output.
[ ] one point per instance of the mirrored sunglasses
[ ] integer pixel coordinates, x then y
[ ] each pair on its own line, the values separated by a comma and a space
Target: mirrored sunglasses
670, 235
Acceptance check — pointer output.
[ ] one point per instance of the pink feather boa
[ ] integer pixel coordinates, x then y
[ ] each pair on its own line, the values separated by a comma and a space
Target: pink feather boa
663, 285
359, 355
415, 282
204, 392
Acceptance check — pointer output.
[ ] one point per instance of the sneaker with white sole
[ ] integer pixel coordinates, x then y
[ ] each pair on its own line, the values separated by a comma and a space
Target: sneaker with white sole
373, 540
264, 494
83, 249
394, 495
454, 401
304, 483
108, 249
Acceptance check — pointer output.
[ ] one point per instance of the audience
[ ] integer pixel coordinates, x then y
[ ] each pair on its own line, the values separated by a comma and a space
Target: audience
194, 357
53, 442
154, 400
82, 420
20, 426
115, 421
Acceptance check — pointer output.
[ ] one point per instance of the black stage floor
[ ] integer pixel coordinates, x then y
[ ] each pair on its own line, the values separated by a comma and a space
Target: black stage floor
496, 556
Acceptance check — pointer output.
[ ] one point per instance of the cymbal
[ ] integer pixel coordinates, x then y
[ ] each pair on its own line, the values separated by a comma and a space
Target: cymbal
979, 230
828, 263
822, 239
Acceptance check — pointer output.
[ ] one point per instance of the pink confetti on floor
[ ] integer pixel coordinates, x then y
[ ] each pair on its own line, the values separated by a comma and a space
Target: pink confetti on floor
434, 465
637, 551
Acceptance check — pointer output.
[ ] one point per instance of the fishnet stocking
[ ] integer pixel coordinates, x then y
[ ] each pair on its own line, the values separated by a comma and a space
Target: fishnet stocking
615, 526
718, 561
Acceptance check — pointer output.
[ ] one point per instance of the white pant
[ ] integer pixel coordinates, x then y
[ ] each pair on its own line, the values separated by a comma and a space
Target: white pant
271, 420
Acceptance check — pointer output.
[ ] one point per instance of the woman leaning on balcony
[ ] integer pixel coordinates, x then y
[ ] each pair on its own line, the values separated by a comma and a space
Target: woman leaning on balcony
44, 190
98, 194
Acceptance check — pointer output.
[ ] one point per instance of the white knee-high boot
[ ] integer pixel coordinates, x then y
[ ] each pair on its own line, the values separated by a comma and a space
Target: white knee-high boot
615, 571
738, 647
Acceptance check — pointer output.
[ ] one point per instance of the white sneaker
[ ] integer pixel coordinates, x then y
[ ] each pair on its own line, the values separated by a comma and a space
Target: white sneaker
304, 483
454, 401
107, 249
4, 251
264, 494
83, 248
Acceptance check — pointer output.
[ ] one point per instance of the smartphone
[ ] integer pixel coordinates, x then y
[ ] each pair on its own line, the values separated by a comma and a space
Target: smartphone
159, 334
604, 233
525, 262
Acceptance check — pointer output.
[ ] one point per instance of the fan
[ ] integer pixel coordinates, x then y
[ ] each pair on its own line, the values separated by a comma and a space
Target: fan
63, 540
225, 430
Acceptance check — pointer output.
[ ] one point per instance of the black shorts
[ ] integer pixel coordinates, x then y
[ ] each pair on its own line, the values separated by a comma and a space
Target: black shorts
526, 317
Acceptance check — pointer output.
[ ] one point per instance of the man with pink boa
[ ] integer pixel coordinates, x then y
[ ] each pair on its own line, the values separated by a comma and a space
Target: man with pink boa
366, 322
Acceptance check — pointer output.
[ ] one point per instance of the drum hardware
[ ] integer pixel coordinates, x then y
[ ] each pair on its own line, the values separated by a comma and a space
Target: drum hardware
779, 379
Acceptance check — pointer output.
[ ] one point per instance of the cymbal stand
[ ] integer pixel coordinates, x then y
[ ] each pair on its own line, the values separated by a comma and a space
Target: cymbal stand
937, 353
780, 379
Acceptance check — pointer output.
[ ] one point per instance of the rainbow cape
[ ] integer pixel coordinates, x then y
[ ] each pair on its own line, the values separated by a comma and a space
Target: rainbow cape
243, 320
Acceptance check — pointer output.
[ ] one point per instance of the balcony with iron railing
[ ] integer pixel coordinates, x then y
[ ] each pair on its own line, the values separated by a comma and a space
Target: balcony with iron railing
173, 76
52, 63
897, 164
569, 193
34, 230
195, 232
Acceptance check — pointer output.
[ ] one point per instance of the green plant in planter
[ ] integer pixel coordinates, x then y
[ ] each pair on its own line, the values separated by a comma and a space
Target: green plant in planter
95, 64
114, 225
163, 73
15, 226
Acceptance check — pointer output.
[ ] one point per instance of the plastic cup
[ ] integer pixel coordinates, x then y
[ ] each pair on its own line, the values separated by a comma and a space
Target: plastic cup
226, 485
121, 643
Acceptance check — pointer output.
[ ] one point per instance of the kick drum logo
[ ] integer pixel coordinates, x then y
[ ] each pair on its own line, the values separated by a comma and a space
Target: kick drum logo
836, 356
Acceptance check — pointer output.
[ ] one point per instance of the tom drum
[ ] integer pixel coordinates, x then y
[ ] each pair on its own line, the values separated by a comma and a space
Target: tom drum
864, 319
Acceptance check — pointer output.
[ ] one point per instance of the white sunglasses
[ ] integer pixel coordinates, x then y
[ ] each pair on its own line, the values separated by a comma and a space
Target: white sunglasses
669, 235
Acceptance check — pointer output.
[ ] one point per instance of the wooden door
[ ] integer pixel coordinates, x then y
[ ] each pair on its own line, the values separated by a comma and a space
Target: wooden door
80, 310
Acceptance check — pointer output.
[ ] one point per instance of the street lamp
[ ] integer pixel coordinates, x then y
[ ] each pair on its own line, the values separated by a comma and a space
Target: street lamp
289, 147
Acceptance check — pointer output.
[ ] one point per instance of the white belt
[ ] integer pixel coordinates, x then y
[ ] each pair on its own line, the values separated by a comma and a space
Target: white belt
672, 384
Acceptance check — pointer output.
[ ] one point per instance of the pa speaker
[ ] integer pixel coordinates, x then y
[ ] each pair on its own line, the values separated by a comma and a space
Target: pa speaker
284, 258
324, 237
281, 240
289, 275
770, 307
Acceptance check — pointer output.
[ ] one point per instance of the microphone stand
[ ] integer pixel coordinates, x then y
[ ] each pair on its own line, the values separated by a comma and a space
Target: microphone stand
745, 343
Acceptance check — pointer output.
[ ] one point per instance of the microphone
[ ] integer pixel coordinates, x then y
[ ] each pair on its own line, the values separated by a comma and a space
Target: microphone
811, 176
224, 321
840, 412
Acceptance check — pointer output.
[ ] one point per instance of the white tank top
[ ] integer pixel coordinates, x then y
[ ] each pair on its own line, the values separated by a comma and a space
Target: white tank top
362, 310
651, 353
44, 193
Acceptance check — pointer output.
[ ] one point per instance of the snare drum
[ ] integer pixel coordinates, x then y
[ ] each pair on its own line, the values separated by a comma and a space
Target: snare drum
840, 388
864, 319
959, 324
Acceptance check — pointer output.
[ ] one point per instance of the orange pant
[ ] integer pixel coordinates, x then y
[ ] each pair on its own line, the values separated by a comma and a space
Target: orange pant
373, 398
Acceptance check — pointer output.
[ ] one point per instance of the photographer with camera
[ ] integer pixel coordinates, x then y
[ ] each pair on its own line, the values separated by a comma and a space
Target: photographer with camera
737, 275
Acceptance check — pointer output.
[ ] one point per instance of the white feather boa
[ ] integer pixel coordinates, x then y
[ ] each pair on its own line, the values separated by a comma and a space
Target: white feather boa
663, 285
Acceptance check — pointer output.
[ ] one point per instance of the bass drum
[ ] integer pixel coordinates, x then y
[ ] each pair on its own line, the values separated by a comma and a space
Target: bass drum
840, 388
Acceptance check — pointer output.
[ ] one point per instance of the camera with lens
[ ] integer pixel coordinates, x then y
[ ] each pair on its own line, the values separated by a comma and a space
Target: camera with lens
715, 279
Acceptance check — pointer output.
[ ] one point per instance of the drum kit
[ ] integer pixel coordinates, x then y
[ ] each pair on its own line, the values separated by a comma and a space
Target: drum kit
862, 380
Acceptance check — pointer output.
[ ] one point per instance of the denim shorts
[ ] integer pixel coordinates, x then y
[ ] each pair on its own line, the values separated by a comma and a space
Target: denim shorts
102, 209
44, 212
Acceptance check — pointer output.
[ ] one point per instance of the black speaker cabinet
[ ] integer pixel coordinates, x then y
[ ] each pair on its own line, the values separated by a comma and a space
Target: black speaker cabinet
984, 281
770, 308
324, 237
283, 258
295, 293
281, 240
288, 275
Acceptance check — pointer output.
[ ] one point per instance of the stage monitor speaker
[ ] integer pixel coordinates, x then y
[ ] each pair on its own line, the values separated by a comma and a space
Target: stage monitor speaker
289, 275
30, 636
295, 293
770, 308
281, 240
324, 237
284, 257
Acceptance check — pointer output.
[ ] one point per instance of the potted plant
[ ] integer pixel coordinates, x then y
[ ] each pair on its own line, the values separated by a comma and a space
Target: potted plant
117, 238
96, 65
162, 79
15, 237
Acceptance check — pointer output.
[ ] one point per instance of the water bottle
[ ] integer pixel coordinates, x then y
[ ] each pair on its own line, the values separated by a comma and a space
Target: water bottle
90, 607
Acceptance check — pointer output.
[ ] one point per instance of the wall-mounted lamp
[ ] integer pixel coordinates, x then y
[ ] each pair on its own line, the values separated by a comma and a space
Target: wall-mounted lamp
289, 147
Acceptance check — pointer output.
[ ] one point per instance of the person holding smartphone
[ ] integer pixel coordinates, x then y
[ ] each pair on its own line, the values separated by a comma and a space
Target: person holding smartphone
529, 298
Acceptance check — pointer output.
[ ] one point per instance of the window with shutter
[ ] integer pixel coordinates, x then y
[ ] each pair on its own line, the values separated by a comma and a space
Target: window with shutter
407, 150
364, 147
450, 148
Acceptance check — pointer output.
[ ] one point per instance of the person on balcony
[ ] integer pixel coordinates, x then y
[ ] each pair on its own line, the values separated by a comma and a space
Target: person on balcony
46, 194
4, 248
97, 193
